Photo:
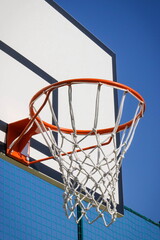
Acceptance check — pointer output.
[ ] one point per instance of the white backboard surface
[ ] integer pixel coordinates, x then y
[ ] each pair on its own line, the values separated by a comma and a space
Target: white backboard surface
42, 44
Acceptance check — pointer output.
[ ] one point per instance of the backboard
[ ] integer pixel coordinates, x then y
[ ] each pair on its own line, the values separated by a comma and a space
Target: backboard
42, 44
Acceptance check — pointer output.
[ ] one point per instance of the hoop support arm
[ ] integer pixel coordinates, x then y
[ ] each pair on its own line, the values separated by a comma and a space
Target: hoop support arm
16, 141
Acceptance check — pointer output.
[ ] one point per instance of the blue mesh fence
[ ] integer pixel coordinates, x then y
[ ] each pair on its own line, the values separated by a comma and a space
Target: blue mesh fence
31, 209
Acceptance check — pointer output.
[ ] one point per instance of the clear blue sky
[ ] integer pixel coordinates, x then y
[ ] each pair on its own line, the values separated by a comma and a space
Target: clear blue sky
131, 29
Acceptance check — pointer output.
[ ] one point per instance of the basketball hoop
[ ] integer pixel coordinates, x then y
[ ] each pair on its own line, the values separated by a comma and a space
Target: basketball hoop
78, 166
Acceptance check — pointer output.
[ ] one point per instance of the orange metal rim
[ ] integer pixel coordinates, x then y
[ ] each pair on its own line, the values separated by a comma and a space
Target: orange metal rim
47, 90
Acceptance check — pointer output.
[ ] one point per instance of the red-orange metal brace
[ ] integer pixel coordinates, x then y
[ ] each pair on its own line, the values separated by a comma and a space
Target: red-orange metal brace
14, 132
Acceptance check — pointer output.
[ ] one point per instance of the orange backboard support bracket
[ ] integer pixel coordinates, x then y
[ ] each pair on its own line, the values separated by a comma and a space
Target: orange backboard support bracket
15, 143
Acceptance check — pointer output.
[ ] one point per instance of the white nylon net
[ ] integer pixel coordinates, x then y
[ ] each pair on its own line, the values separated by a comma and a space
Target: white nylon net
90, 175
